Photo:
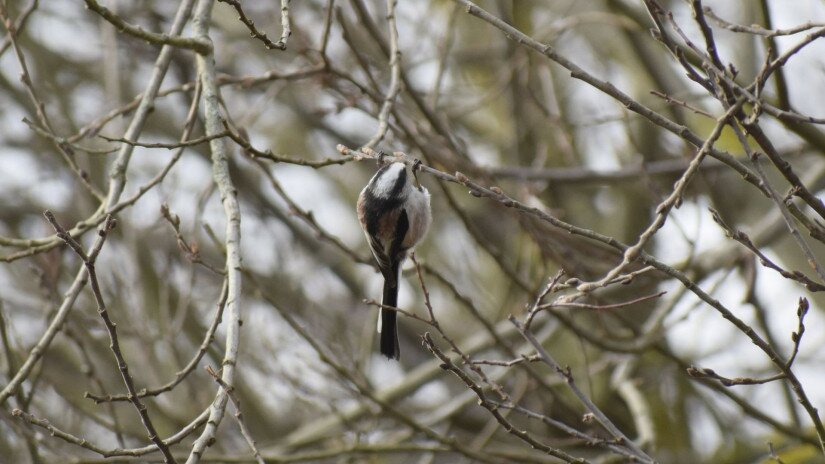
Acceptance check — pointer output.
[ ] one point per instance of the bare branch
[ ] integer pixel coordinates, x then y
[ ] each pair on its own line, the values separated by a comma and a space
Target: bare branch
584, 399
395, 78
196, 44
238, 416
255, 33
229, 198
89, 261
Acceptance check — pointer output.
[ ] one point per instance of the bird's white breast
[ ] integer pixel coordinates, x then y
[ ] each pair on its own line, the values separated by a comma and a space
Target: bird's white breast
418, 214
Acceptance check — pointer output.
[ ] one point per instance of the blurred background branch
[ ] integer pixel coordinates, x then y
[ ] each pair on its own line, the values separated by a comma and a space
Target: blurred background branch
636, 185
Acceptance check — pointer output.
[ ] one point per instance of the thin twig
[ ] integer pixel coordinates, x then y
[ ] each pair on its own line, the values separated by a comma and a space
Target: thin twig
22, 19
589, 440
796, 337
780, 203
40, 109
191, 43
742, 238
268, 155
549, 288
681, 103
87, 367
448, 365
208, 338
191, 251
433, 322
664, 208
168, 146
106, 453
247, 435
700, 372
513, 362
756, 29
89, 262
584, 399
605, 307
255, 33
395, 78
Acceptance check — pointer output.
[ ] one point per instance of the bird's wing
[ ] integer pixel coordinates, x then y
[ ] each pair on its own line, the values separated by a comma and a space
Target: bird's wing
380, 252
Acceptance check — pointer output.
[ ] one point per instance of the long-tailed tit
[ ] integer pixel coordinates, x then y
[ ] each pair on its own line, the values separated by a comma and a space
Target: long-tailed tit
394, 211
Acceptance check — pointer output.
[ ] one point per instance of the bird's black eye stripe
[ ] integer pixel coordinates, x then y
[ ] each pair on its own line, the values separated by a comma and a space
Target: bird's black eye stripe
399, 184
375, 206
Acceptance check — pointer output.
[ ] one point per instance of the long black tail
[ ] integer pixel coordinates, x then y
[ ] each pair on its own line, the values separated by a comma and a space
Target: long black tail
389, 332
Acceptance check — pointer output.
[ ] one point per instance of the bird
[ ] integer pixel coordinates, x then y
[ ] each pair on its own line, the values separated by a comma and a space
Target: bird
394, 211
